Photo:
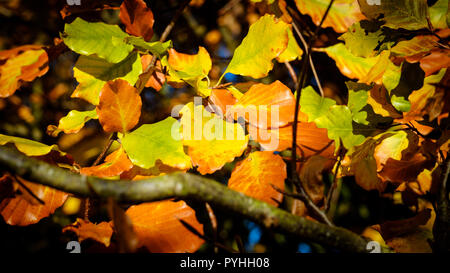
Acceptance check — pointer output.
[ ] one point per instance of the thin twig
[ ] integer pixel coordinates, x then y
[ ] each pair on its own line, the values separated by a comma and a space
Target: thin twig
300, 84
291, 71
313, 67
333, 186
303, 196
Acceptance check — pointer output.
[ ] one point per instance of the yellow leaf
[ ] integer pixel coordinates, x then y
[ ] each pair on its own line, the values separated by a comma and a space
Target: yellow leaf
26, 146
267, 38
211, 141
293, 50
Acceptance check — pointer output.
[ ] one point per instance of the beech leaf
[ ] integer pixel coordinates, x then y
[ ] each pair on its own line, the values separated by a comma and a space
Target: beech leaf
138, 18
101, 232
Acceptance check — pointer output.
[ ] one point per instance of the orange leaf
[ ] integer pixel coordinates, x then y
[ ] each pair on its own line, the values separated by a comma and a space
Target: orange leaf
261, 100
24, 63
24, 209
115, 164
310, 139
158, 78
158, 227
438, 59
221, 98
86, 230
119, 108
138, 18
255, 175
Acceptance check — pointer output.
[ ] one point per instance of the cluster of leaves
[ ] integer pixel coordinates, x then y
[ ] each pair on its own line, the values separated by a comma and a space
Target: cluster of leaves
392, 130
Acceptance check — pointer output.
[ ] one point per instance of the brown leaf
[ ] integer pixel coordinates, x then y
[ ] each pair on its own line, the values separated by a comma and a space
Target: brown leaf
311, 177
119, 108
138, 18
101, 232
255, 175
391, 229
406, 169
414, 242
158, 227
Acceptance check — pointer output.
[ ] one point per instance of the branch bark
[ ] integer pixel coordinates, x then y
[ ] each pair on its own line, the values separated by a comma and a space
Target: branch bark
183, 186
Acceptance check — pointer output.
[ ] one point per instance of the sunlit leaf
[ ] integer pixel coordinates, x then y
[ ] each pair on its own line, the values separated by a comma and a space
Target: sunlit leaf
313, 105
211, 141
107, 41
115, 164
28, 147
156, 48
157, 141
137, 18
158, 78
266, 39
159, 229
342, 14
72, 122
119, 108
101, 232
360, 42
24, 63
255, 175
338, 122
93, 72
417, 45
293, 50
23, 209
221, 99
260, 104
407, 14
310, 139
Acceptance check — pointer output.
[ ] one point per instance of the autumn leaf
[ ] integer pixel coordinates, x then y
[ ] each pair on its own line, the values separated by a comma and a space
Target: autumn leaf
93, 72
361, 42
158, 226
255, 175
407, 14
190, 68
293, 50
343, 13
435, 61
21, 64
266, 39
115, 164
138, 18
72, 122
313, 105
120, 106
158, 78
260, 104
221, 99
391, 229
392, 146
406, 169
310, 139
219, 141
101, 232
107, 41
28, 147
157, 141
25, 209
311, 177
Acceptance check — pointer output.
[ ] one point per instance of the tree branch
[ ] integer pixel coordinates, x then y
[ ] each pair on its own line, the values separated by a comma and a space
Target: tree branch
183, 186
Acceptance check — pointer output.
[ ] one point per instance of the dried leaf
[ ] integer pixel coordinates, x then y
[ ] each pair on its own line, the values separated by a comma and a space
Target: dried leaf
311, 177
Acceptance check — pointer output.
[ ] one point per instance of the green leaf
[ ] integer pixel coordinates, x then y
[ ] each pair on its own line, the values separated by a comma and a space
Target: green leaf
406, 14
313, 105
107, 41
74, 121
267, 38
439, 14
26, 146
357, 100
157, 141
360, 42
157, 48
412, 78
93, 72
338, 122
